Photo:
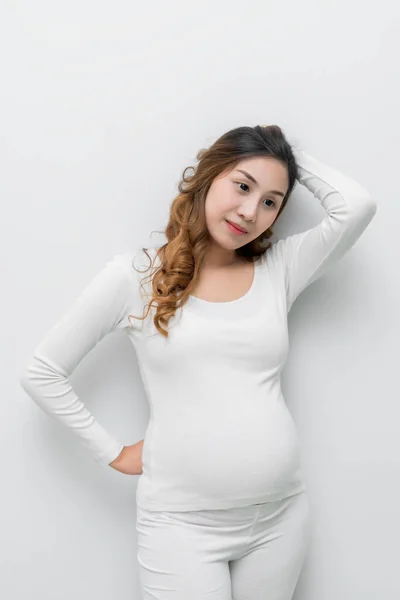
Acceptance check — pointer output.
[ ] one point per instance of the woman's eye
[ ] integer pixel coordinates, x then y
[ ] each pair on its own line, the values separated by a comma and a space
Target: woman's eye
243, 184
269, 200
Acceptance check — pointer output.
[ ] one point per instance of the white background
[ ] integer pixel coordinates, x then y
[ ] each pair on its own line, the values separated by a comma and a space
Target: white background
102, 107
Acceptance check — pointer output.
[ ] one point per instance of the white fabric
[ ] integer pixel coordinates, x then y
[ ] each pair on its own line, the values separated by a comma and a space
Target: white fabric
219, 434
251, 552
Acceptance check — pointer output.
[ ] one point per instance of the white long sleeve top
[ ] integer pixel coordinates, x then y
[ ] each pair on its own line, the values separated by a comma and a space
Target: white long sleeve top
219, 434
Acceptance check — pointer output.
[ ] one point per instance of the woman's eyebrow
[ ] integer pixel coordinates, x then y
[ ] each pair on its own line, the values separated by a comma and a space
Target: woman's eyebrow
254, 181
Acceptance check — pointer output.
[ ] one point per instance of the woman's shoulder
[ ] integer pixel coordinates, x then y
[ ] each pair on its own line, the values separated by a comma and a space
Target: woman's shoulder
138, 257
136, 262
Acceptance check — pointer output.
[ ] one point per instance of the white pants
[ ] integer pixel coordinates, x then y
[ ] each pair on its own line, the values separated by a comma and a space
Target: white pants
253, 552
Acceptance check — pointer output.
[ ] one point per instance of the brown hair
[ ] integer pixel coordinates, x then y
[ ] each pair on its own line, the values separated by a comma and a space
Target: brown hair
182, 255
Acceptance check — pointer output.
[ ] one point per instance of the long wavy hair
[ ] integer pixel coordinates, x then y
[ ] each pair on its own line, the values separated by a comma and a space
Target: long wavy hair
181, 257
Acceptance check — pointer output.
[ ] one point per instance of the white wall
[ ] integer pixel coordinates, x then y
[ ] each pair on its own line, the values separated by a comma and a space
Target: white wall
102, 107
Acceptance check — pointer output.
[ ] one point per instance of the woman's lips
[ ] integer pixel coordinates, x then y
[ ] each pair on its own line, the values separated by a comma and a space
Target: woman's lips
235, 229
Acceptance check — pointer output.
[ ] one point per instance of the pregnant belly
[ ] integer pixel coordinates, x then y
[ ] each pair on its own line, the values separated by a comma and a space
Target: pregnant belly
239, 453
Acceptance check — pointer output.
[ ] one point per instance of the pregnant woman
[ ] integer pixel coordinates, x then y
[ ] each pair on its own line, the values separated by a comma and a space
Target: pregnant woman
222, 505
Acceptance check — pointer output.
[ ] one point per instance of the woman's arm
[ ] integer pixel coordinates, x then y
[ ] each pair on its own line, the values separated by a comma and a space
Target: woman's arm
349, 207
102, 307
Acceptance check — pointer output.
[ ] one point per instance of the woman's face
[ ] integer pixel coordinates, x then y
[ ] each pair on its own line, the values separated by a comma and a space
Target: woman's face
253, 205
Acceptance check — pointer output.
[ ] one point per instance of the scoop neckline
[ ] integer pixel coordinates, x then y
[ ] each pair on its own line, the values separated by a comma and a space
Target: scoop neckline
200, 301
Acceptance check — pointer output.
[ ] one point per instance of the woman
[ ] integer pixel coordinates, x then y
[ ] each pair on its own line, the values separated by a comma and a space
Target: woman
222, 506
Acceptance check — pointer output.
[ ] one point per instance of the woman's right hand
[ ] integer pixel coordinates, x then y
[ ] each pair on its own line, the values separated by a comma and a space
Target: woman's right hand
129, 461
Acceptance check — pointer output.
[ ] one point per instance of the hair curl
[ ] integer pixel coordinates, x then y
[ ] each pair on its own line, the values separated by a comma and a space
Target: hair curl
182, 255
